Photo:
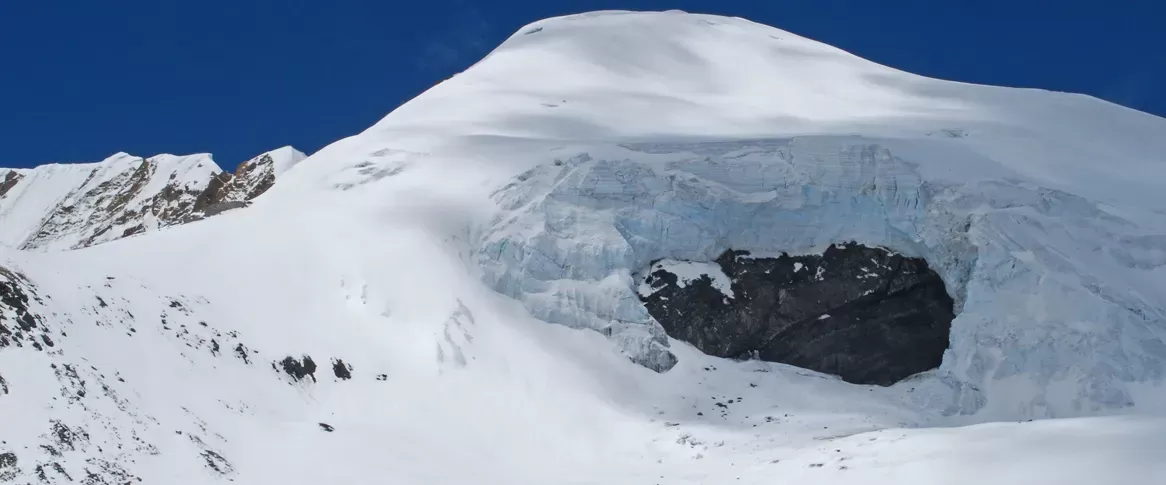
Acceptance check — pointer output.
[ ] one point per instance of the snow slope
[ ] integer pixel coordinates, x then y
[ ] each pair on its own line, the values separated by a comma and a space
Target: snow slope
424, 257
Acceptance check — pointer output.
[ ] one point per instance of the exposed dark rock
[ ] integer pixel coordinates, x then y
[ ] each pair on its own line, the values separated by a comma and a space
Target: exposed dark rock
299, 369
3, 386
14, 297
327, 427
342, 370
9, 181
121, 204
225, 206
228, 191
67, 438
216, 462
130, 231
8, 469
241, 352
866, 314
253, 177
212, 194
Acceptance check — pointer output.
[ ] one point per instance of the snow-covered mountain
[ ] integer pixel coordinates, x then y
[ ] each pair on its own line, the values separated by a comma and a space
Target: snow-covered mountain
69, 206
471, 290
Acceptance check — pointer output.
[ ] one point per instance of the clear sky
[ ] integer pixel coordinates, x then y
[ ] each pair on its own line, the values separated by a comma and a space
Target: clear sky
83, 79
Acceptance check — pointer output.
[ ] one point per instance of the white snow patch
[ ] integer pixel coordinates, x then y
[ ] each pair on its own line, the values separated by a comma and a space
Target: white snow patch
689, 271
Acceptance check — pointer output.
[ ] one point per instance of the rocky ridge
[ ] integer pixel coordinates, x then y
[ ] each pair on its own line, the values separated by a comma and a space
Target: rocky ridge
71, 206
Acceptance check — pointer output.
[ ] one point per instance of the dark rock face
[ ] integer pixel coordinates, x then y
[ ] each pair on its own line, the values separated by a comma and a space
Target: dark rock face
866, 314
9, 181
299, 369
18, 325
341, 370
8, 469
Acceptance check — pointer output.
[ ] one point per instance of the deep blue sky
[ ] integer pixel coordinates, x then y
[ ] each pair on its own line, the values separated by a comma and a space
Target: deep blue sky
82, 79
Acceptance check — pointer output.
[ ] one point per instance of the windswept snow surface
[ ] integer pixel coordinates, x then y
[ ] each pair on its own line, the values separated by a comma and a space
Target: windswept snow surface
430, 252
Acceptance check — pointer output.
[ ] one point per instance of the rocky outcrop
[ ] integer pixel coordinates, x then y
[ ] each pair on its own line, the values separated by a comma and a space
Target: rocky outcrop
251, 179
70, 206
866, 314
9, 181
19, 326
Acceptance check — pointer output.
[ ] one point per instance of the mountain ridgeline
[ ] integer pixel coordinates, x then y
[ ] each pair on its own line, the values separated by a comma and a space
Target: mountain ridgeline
71, 206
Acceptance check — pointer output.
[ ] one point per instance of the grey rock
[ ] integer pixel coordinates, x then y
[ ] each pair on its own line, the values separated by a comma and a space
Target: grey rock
865, 314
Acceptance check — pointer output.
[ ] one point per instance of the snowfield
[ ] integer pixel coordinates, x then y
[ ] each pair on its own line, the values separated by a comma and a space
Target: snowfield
417, 265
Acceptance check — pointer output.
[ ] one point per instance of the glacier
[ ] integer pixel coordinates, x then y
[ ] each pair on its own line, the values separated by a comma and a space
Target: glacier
473, 259
578, 229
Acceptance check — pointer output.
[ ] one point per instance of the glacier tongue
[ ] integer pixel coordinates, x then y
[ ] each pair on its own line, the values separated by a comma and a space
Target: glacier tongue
1028, 292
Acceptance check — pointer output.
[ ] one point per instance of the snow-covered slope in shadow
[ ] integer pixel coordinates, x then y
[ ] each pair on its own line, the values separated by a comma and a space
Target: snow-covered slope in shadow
381, 314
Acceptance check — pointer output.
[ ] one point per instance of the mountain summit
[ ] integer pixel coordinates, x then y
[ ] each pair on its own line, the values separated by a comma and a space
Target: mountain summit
623, 248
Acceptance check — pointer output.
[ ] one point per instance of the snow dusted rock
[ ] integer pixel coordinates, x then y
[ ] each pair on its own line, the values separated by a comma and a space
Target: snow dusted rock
70, 206
255, 176
865, 314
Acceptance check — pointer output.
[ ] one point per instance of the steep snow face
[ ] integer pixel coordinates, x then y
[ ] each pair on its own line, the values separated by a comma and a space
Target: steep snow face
69, 206
426, 255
